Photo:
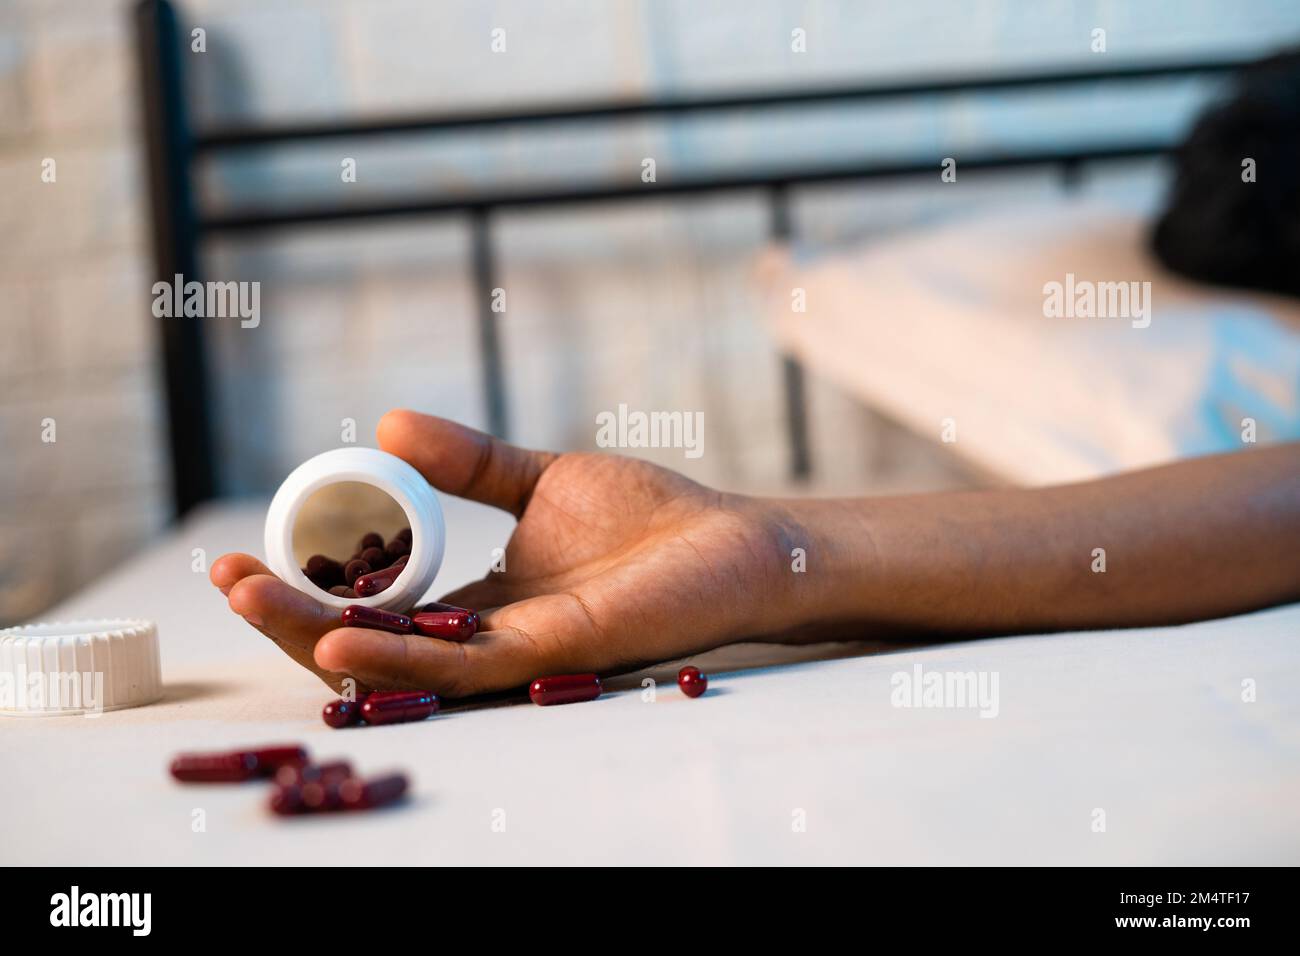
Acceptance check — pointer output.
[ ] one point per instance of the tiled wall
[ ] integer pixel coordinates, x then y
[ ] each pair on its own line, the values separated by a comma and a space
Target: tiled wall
652, 305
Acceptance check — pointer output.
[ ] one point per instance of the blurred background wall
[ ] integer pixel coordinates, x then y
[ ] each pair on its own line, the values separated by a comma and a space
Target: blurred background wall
651, 304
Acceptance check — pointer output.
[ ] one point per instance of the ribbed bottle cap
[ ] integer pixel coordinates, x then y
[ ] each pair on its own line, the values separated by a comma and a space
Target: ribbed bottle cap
78, 667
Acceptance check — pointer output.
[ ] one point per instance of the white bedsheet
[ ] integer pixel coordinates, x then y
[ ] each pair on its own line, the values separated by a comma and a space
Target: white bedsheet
1148, 726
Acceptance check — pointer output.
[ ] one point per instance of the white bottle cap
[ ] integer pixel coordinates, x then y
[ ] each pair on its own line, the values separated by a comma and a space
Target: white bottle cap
389, 474
78, 667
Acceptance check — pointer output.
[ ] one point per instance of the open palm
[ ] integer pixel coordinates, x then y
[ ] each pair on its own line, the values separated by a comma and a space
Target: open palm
614, 563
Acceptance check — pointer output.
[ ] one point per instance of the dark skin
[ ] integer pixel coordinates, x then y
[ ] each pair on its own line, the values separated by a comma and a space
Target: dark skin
616, 563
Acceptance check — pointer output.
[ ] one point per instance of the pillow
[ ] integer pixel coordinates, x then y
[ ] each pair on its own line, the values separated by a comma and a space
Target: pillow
1031, 343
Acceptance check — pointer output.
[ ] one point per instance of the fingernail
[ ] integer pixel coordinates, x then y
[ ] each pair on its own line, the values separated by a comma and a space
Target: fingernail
254, 620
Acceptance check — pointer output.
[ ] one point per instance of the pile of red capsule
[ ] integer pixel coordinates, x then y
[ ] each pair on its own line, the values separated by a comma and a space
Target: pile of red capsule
371, 569
300, 786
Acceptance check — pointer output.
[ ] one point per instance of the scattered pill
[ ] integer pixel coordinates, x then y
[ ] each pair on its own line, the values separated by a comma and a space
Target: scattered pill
564, 689
343, 713
290, 774
236, 765
369, 585
356, 794
457, 624
287, 800
358, 615
692, 681
398, 707
347, 793
371, 539
299, 786
355, 569
214, 768
271, 759
320, 796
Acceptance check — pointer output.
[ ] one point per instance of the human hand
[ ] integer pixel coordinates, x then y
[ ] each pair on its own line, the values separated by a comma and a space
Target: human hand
614, 563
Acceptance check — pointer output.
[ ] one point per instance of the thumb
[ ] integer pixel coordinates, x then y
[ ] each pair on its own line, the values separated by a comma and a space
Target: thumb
462, 461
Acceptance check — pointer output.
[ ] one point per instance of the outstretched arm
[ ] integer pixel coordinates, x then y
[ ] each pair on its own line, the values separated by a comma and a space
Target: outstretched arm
616, 562
1200, 538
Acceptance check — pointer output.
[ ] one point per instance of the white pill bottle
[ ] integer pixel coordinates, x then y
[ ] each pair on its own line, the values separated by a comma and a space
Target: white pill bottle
390, 475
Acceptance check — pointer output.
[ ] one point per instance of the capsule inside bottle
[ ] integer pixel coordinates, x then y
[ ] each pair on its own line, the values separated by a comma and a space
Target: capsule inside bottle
373, 583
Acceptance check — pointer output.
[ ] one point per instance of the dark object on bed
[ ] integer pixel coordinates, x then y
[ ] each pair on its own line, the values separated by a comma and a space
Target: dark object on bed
1219, 227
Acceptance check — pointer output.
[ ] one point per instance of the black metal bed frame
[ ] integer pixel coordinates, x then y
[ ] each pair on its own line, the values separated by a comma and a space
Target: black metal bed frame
180, 224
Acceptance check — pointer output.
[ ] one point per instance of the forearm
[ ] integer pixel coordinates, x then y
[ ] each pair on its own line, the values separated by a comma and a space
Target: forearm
1201, 538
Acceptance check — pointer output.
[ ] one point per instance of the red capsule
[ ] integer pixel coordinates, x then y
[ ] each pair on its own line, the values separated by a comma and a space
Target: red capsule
271, 759
235, 766
323, 564
324, 572
354, 570
371, 584
343, 713
371, 539
564, 689
431, 606
335, 770
375, 557
404, 534
358, 615
315, 797
287, 801
454, 625
692, 681
399, 707
355, 794
214, 768
320, 796
396, 549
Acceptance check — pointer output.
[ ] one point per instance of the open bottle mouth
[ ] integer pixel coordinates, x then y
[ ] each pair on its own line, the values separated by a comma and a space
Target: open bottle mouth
352, 539
356, 526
